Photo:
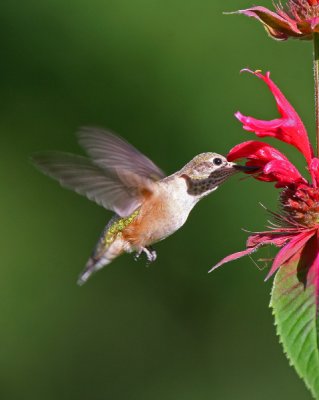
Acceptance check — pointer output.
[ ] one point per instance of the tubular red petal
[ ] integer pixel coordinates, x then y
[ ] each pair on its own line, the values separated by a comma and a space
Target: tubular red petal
261, 127
314, 171
253, 243
233, 257
279, 27
274, 166
263, 238
255, 150
290, 249
289, 128
284, 172
314, 22
309, 265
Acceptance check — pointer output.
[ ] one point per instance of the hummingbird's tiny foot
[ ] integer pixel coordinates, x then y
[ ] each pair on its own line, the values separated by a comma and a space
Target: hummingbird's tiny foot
137, 255
150, 254
154, 255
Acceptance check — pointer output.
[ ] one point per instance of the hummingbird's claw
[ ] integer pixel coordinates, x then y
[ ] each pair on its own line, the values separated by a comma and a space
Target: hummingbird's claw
137, 255
150, 254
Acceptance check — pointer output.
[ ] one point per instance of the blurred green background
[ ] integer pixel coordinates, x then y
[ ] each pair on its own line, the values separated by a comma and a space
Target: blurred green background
165, 75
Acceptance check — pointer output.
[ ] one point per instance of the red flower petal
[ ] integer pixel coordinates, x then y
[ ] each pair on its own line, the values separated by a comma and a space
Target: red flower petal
314, 171
289, 250
309, 264
271, 237
279, 27
254, 242
255, 150
274, 166
288, 128
313, 22
283, 172
233, 257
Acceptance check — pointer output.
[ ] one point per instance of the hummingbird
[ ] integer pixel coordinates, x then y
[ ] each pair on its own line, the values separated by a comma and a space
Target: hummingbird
148, 206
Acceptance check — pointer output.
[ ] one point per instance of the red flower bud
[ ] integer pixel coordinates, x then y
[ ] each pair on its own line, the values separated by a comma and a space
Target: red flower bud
299, 19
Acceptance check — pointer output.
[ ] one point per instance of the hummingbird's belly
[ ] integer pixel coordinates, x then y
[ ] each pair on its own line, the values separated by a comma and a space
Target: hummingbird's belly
162, 228
155, 222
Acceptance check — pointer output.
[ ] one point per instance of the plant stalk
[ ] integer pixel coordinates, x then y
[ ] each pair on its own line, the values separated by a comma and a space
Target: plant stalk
316, 81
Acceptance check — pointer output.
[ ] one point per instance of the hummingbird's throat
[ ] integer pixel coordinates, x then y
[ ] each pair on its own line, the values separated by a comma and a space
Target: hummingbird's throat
199, 186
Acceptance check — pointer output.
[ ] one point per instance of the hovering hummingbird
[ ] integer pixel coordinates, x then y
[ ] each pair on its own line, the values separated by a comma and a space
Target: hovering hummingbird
148, 206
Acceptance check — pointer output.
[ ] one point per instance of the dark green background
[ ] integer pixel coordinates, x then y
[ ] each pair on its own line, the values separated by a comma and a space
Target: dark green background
165, 75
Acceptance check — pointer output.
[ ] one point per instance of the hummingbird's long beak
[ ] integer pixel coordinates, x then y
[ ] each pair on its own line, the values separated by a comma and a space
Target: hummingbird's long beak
245, 168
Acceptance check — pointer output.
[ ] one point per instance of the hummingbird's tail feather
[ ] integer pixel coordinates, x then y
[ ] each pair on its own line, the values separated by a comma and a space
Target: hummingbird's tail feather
96, 263
92, 266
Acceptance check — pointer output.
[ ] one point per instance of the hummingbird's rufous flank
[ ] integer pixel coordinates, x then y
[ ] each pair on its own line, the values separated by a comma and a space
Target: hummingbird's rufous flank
148, 206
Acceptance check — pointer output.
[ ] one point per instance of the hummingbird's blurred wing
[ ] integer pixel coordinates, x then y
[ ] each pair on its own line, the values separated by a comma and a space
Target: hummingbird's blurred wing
122, 194
112, 152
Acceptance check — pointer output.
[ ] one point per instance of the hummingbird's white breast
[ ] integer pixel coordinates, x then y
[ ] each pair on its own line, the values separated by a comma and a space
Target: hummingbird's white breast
163, 213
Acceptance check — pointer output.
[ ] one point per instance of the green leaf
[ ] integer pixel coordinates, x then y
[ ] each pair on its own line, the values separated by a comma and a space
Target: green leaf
293, 299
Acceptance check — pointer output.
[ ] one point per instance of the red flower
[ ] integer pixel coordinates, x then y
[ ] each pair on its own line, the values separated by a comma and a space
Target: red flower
296, 231
299, 19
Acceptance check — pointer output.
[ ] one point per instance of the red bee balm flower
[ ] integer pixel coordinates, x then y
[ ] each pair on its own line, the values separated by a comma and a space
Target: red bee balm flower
296, 231
299, 19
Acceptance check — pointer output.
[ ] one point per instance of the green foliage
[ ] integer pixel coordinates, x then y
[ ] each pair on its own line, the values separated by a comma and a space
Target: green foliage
295, 311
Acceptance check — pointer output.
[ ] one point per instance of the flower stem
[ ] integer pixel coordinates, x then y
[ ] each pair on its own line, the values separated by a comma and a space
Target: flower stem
316, 78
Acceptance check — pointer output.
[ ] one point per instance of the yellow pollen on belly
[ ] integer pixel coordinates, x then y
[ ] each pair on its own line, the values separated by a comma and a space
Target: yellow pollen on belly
117, 227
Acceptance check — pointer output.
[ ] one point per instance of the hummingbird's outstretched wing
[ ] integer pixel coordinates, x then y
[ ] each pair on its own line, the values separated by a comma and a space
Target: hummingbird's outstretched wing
121, 193
113, 152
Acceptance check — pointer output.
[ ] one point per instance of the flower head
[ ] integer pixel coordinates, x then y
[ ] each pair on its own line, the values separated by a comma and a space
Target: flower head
296, 227
298, 19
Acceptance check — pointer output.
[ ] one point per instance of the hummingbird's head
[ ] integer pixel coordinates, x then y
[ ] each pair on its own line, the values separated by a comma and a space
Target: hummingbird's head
205, 172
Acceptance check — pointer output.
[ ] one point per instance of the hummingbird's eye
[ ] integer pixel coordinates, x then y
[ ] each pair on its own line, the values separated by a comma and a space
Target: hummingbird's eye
217, 161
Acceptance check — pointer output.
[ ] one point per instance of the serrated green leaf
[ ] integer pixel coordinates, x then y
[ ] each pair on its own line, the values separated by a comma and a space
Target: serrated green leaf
293, 300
